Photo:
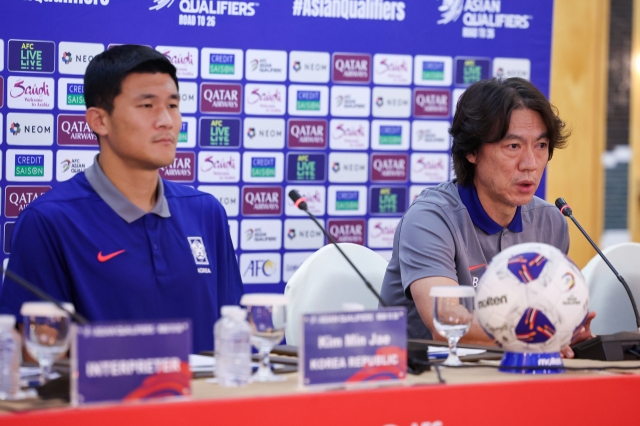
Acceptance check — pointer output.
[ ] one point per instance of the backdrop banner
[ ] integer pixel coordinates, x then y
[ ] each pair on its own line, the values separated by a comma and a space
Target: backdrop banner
347, 101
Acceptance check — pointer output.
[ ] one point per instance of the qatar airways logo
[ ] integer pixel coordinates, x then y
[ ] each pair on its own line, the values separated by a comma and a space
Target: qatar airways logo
389, 167
347, 230
221, 98
431, 103
182, 168
307, 133
351, 68
258, 201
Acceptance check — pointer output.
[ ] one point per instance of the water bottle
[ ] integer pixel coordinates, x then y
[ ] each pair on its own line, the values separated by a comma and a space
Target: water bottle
10, 347
232, 335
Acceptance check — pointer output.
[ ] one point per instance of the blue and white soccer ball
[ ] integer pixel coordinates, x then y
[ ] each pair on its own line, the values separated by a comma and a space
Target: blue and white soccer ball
532, 298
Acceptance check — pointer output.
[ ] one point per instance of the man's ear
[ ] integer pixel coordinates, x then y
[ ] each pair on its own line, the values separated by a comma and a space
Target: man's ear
472, 157
98, 121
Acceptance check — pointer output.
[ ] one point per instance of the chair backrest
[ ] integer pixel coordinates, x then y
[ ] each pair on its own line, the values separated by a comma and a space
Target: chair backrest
325, 281
607, 296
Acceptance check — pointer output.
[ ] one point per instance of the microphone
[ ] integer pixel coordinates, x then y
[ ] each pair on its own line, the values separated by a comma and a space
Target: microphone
610, 347
42, 295
300, 202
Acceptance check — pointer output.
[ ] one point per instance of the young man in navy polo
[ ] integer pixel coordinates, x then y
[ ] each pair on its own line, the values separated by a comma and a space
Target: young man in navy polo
117, 241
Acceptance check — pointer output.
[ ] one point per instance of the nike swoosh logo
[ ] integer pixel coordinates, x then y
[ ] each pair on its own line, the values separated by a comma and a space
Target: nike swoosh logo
105, 257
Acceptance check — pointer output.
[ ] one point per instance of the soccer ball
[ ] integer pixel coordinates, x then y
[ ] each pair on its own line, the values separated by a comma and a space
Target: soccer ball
532, 298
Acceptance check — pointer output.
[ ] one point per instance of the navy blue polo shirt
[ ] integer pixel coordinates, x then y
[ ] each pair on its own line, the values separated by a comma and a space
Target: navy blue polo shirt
85, 243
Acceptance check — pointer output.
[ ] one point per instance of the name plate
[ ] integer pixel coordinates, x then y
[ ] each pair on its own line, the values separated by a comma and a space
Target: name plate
130, 361
343, 348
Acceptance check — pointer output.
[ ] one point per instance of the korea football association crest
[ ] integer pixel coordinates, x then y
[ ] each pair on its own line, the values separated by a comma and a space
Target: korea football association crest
198, 250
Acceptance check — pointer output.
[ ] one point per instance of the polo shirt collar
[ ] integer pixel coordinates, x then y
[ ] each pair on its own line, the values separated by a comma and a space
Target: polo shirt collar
118, 202
480, 218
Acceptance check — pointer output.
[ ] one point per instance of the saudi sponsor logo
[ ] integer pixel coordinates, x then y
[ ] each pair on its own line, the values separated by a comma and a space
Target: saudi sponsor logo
481, 18
388, 200
228, 196
266, 65
74, 130
30, 92
347, 230
429, 168
431, 103
348, 167
185, 59
29, 129
392, 69
260, 268
265, 99
182, 169
351, 9
309, 67
262, 166
72, 162
307, 133
188, 98
349, 134
73, 58
261, 200
222, 64
427, 135
221, 98
223, 167
29, 165
308, 100
350, 101
219, 132
471, 70
264, 133
315, 196
306, 167
261, 234
17, 198
381, 232
351, 68
389, 167
512, 67
31, 56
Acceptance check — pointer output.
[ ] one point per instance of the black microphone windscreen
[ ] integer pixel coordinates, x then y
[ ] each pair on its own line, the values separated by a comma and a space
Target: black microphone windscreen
294, 195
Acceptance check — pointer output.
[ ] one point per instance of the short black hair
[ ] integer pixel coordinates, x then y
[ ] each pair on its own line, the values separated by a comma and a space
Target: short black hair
483, 115
106, 72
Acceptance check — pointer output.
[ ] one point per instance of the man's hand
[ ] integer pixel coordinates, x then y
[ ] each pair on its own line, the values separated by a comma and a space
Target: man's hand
584, 334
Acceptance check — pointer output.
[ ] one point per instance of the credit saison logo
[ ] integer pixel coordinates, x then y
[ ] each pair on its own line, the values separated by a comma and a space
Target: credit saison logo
481, 17
223, 64
390, 135
75, 94
432, 71
263, 167
183, 135
31, 56
347, 200
351, 9
492, 301
29, 165
308, 100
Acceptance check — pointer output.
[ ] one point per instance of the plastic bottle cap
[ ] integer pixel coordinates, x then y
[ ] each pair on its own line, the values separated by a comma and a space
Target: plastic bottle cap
7, 321
234, 312
45, 309
264, 299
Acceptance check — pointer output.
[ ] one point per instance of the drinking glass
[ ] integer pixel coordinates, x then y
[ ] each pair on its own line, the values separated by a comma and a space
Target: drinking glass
267, 318
452, 316
46, 333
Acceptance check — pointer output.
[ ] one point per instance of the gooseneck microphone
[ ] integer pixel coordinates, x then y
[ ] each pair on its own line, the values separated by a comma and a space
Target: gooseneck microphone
620, 346
301, 203
565, 209
42, 295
